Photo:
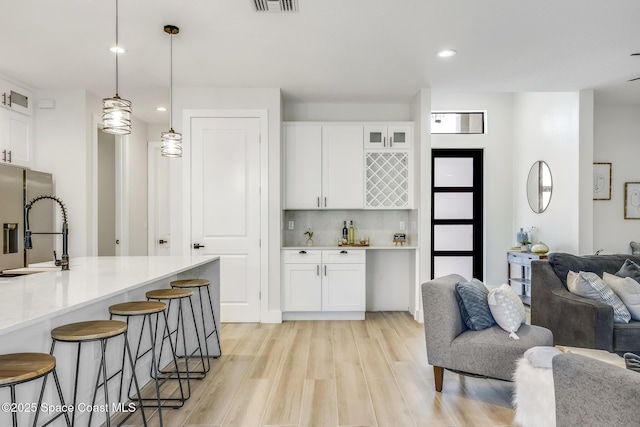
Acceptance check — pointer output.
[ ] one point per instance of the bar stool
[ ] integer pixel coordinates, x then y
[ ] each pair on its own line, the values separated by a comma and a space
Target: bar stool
103, 331
18, 368
199, 284
178, 295
147, 309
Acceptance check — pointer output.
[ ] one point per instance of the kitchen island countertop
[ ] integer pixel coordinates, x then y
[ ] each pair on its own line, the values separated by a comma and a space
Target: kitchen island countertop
32, 298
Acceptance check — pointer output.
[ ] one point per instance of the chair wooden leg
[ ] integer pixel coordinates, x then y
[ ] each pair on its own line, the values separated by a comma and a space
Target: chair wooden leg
438, 375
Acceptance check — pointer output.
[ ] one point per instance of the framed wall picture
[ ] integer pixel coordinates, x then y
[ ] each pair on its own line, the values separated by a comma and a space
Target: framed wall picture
632, 200
602, 181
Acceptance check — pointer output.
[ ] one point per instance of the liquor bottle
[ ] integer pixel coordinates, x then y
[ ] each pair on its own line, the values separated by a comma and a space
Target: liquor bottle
345, 232
352, 233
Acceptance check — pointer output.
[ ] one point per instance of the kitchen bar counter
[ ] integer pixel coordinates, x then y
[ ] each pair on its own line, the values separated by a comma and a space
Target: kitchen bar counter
31, 298
31, 305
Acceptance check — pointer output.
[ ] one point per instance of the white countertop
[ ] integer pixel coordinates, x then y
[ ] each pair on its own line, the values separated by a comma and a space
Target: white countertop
31, 298
376, 247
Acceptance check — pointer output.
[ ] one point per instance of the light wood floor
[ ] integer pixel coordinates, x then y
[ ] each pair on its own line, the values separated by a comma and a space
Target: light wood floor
335, 373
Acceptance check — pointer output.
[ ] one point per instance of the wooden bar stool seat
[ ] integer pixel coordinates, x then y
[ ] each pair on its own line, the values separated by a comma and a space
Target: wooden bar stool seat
169, 293
201, 284
102, 331
137, 308
89, 331
150, 310
18, 368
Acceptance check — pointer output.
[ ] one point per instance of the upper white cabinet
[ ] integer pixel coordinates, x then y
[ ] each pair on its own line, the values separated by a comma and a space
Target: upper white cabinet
388, 136
16, 138
16, 125
16, 98
342, 167
323, 166
302, 166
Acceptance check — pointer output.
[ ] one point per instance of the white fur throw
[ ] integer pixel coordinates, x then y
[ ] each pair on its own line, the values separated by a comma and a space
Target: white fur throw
534, 397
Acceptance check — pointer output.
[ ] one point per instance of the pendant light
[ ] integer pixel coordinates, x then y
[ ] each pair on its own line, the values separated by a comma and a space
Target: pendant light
172, 140
116, 112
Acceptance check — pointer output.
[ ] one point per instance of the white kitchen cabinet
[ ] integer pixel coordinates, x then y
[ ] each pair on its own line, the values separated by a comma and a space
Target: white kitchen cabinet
324, 281
16, 98
342, 167
388, 179
323, 166
388, 136
16, 138
303, 166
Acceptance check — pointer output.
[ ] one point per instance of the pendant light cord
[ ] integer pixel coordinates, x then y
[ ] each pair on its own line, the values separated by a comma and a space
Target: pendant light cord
171, 83
117, 48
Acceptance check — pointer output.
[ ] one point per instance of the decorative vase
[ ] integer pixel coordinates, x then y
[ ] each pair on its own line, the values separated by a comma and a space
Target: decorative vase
540, 248
524, 248
309, 242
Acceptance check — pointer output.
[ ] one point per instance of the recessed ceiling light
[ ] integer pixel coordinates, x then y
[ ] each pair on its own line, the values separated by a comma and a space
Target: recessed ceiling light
161, 108
117, 49
446, 53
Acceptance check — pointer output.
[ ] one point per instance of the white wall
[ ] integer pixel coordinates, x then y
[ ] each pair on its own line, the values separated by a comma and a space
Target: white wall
61, 148
547, 127
346, 112
235, 99
136, 158
616, 140
106, 194
497, 144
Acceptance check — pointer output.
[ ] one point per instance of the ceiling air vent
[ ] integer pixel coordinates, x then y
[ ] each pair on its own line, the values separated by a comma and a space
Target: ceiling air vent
276, 5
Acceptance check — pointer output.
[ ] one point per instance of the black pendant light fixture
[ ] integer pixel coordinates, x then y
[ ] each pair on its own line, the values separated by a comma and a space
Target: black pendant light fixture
116, 112
172, 140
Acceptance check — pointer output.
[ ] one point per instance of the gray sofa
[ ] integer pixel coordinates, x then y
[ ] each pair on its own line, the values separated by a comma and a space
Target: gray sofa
589, 392
451, 345
574, 320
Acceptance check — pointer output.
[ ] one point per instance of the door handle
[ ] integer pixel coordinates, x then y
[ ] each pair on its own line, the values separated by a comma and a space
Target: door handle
384, 141
344, 252
197, 246
4, 99
390, 141
325, 270
318, 201
162, 242
317, 270
9, 153
302, 252
325, 202
4, 155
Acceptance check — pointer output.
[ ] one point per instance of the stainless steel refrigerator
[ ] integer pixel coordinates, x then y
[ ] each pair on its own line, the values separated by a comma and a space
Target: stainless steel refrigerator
17, 187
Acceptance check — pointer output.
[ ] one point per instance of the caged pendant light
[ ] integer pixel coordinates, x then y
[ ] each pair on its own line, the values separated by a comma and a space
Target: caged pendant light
172, 140
116, 112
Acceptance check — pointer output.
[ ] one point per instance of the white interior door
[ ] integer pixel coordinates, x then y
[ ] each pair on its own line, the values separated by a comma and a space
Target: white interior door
225, 208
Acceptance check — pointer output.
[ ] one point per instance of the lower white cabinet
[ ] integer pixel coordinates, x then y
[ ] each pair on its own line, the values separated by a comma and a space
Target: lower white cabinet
324, 280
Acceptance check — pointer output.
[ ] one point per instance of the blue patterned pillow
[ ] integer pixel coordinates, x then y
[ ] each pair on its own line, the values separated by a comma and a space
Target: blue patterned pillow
474, 307
590, 285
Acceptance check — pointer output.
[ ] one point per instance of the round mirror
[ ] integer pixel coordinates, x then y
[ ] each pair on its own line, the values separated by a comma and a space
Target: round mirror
539, 186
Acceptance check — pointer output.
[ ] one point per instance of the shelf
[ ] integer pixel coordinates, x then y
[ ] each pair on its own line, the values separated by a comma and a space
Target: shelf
520, 281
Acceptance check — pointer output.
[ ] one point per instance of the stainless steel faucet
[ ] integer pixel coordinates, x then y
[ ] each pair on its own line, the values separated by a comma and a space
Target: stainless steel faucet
64, 262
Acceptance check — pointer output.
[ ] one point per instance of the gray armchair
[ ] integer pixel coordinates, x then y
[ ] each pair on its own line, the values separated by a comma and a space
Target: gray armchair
589, 392
451, 345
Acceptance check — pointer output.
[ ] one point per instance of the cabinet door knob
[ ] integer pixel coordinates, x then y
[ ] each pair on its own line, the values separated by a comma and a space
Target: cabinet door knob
302, 252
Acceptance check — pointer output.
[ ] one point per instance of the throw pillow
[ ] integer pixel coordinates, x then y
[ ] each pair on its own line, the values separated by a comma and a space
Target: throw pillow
472, 300
632, 361
635, 248
629, 269
628, 290
590, 285
507, 309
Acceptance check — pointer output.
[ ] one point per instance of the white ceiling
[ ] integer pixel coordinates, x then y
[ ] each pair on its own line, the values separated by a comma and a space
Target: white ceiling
330, 51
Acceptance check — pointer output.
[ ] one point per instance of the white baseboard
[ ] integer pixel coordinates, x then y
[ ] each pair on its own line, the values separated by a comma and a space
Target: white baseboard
324, 315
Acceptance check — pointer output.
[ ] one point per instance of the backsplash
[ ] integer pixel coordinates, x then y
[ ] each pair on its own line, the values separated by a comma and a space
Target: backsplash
378, 225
